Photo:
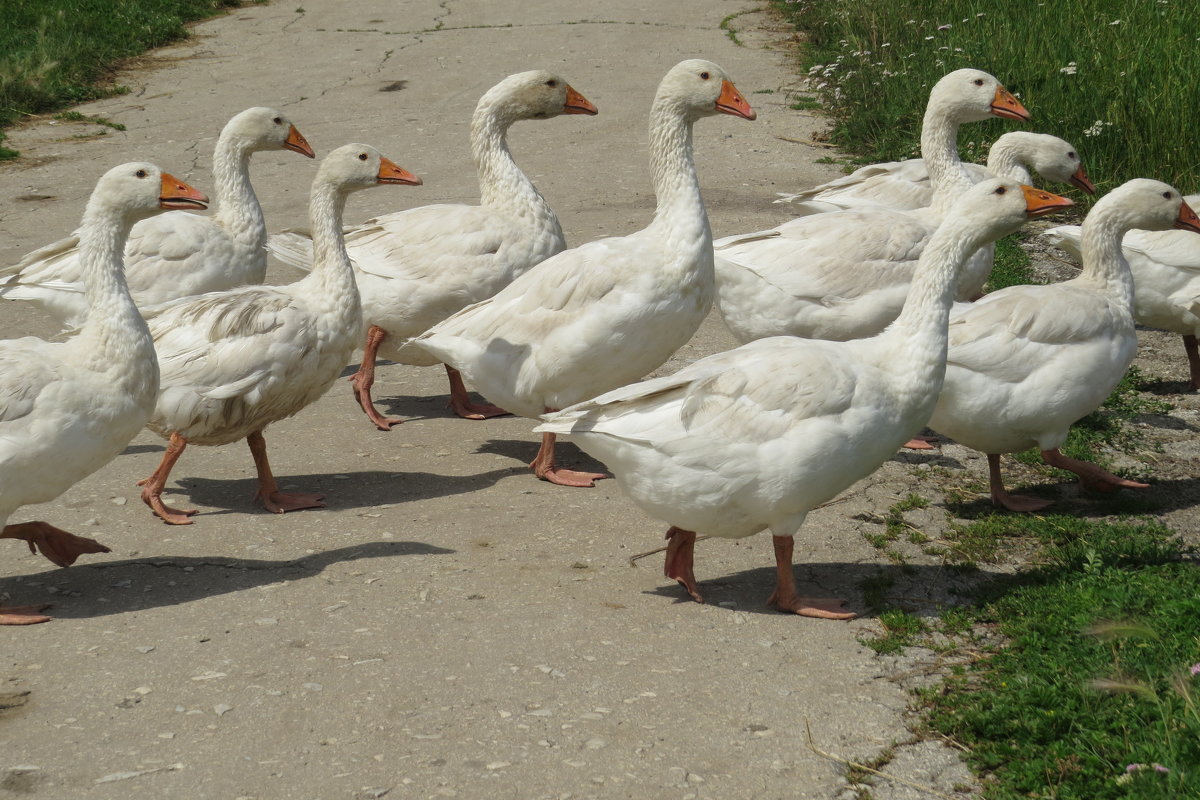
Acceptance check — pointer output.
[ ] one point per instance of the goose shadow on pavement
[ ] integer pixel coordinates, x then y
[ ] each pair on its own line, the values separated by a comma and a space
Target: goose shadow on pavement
121, 583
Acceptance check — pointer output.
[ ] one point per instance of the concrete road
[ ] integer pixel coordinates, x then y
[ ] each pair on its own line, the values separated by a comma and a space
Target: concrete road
449, 626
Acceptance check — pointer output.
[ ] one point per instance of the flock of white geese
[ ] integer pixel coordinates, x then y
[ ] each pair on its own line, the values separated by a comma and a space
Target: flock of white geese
862, 319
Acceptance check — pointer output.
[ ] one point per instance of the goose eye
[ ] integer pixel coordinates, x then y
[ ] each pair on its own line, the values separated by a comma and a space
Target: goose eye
141, 173
704, 76
1167, 195
278, 120
979, 81
1001, 190
362, 156
552, 83
1071, 155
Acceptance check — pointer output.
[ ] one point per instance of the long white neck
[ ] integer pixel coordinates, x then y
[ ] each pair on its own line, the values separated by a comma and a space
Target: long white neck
330, 286
502, 184
114, 337
1104, 265
939, 149
1006, 159
918, 357
680, 209
237, 207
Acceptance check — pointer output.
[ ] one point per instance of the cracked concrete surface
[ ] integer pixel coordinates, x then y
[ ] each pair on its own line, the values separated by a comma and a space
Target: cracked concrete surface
449, 626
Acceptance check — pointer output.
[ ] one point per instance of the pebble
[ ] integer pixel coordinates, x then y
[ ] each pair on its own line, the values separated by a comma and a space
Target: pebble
222, 708
595, 744
266, 621
120, 501
499, 765
313, 687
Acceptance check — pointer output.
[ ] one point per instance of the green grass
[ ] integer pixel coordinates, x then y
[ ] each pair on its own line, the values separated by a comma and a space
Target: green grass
1012, 265
1119, 91
1095, 673
54, 53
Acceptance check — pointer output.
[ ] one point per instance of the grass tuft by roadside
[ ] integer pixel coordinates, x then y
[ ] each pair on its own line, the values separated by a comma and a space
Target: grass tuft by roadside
1113, 77
1096, 691
54, 53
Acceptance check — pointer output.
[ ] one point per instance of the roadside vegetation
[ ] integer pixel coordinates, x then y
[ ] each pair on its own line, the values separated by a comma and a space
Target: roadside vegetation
54, 53
1113, 77
1079, 677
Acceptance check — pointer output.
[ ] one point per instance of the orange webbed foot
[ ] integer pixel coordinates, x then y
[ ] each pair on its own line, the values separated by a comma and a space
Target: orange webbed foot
23, 615
468, 410
362, 396
279, 502
819, 607
171, 516
570, 477
57, 545
681, 547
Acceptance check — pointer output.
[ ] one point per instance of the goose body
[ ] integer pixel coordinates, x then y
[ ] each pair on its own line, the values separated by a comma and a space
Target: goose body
178, 253
844, 275
233, 362
414, 268
68, 408
756, 437
601, 315
1166, 276
1026, 362
905, 185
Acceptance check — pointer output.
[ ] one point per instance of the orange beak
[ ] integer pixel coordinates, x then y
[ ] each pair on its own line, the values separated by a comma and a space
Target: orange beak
1080, 181
1187, 219
578, 104
1039, 203
732, 102
1005, 105
295, 141
177, 194
390, 173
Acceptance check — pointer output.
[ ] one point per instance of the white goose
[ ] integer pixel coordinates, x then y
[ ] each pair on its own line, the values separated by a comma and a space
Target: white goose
844, 275
756, 437
905, 185
1026, 362
233, 362
415, 268
604, 314
68, 408
178, 254
1166, 274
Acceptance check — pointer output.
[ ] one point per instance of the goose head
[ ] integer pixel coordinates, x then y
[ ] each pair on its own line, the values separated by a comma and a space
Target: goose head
262, 128
972, 95
1150, 205
536, 94
998, 206
352, 167
1054, 159
138, 189
701, 88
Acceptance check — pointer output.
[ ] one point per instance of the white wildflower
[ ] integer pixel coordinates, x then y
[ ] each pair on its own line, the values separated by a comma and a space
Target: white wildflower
1115, 22
944, 27
1069, 69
